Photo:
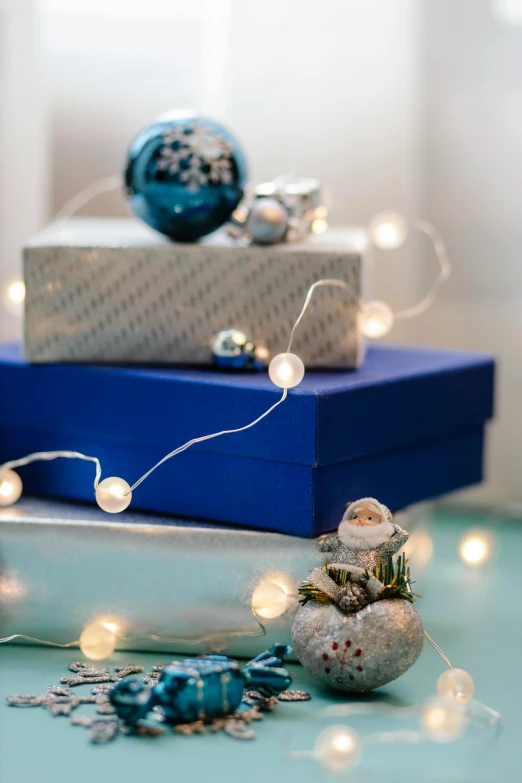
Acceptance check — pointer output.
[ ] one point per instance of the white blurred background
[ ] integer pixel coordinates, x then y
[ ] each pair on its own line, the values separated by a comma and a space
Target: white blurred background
410, 104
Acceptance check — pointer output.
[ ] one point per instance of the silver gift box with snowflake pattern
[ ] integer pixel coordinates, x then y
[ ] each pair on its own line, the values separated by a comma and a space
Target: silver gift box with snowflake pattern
113, 290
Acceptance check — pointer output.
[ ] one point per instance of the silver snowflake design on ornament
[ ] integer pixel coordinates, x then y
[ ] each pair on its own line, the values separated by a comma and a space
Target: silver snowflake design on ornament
344, 659
197, 156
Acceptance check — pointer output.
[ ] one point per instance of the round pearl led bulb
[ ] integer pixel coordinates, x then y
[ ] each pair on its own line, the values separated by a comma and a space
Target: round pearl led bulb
337, 748
10, 487
269, 600
387, 230
286, 370
375, 319
97, 641
113, 495
477, 547
443, 720
456, 684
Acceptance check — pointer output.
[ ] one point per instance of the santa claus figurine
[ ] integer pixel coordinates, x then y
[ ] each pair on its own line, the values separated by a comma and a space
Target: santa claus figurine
366, 537
357, 629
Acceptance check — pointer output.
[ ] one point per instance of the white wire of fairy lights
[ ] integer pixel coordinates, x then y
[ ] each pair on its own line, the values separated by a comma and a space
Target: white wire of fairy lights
441, 719
286, 370
209, 437
100, 637
388, 231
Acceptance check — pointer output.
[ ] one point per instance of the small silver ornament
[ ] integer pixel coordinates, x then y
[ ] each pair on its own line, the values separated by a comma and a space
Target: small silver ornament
359, 651
283, 210
267, 221
234, 349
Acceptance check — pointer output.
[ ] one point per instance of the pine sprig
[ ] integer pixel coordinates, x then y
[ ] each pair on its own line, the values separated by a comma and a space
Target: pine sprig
395, 577
309, 592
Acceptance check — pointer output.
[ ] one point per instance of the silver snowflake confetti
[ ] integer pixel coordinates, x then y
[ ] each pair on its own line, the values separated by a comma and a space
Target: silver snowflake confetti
294, 695
235, 725
256, 699
99, 689
56, 699
144, 730
130, 668
89, 675
239, 730
61, 700
188, 729
104, 731
105, 708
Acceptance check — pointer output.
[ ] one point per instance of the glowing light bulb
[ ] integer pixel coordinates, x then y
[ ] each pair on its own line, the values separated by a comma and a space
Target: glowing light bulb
443, 720
262, 354
387, 230
16, 291
456, 684
97, 641
319, 225
11, 588
113, 495
337, 748
10, 487
286, 370
270, 599
476, 547
375, 319
14, 297
112, 624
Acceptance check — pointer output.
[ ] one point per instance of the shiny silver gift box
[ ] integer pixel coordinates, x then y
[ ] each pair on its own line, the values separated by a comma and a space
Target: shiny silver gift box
63, 566
113, 290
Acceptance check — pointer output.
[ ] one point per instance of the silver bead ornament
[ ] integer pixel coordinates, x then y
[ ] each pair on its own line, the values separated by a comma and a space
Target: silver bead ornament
234, 349
267, 221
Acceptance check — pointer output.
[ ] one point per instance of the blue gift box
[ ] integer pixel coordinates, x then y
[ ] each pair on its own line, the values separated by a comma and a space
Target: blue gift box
406, 427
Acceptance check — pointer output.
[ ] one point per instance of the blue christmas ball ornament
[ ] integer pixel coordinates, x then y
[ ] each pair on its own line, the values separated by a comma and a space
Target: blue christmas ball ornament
184, 176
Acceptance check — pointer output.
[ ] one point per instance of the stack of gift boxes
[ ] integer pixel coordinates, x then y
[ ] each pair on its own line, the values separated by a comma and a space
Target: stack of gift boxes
112, 311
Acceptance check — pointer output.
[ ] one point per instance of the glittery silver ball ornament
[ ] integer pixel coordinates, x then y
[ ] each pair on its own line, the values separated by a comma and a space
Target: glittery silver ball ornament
359, 651
233, 349
267, 221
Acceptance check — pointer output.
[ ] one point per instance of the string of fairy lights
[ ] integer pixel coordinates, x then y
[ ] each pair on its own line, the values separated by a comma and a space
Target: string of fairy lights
386, 231
442, 718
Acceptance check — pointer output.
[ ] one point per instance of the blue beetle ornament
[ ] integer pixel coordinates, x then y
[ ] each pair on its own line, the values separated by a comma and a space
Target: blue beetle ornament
203, 688
185, 175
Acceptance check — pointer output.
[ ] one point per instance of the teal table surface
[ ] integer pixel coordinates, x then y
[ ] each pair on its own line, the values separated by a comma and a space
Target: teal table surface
475, 615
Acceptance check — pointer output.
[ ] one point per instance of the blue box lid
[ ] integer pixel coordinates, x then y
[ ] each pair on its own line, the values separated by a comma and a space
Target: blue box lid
400, 396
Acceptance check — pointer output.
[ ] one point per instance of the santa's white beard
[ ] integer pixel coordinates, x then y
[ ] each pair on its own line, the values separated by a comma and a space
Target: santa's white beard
365, 537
